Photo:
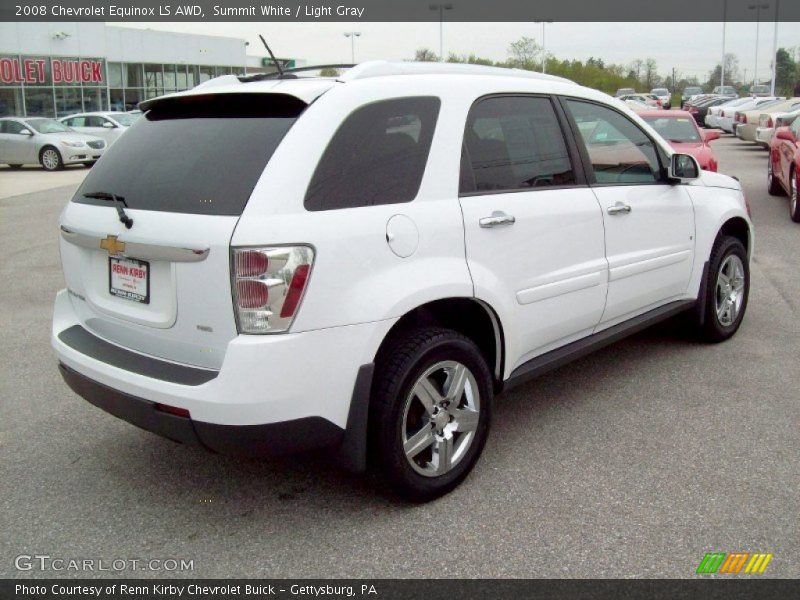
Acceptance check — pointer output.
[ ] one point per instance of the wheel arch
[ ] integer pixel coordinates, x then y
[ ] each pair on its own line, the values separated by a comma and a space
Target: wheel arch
471, 317
739, 228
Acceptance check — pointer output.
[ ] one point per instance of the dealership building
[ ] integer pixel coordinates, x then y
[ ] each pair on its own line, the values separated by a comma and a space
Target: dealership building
56, 69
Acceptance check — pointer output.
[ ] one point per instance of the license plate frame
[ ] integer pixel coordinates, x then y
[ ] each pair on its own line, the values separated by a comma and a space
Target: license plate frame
132, 295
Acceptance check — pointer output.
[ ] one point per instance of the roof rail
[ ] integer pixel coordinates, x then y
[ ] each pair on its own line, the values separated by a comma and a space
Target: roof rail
288, 73
381, 68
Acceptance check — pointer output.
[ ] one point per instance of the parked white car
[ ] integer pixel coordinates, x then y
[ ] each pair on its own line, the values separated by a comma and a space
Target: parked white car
768, 123
664, 95
714, 113
748, 121
46, 142
106, 125
374, 257
727, 115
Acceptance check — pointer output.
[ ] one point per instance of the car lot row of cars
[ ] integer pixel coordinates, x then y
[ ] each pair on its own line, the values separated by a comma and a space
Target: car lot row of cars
76, 139
767, 121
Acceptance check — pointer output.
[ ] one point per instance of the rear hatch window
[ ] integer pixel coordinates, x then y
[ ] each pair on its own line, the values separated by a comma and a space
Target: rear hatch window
194, 154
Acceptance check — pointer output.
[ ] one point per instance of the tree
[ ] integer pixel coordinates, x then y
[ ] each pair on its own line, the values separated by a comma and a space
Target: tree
731, 72
636, 67
785, 72
651, 78
425, 55
523, 53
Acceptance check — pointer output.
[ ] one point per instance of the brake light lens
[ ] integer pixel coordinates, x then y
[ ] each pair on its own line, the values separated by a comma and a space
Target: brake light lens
268, 286
770, 125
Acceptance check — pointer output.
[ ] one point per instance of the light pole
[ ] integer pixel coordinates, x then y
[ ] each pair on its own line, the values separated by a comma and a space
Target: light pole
775, 51
722, 63
441, 8
758, 8
544, 46
352, 35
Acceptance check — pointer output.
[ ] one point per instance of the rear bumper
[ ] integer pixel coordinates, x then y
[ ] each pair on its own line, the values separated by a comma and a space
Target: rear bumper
296, 435
746, 132
764, 135
314, 385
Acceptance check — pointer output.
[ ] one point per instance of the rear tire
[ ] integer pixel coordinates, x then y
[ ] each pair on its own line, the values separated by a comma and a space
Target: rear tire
727, 290
50, 159
430, 412
794, 203
773, 185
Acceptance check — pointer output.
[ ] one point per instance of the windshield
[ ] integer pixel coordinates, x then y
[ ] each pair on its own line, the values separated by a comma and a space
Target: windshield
675, 129
47, 126
692, 90
125, 119
198, 155
659, 92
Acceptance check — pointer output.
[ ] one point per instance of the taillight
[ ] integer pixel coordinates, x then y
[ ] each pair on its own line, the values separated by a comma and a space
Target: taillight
770, 125
736, 117
268, 285
744, 118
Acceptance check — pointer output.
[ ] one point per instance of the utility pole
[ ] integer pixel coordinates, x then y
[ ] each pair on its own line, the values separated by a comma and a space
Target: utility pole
673, 80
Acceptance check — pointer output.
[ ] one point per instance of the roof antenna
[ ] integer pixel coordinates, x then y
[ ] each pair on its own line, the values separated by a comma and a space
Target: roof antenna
272, 56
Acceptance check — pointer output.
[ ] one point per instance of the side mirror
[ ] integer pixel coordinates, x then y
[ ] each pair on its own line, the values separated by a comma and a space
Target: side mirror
27, 132
784, 133
709, 135
683, 168
108, 125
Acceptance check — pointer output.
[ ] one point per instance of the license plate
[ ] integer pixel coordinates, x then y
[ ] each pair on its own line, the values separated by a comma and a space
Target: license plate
129, 279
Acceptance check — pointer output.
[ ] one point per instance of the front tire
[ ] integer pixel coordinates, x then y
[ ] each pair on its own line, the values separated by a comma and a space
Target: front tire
794, 204
727, 290
430, 412
50, 159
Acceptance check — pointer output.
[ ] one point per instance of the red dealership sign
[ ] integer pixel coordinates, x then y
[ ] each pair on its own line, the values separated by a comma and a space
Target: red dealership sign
33, 71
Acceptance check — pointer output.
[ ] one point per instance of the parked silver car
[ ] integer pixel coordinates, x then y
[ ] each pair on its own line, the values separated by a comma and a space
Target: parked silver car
36, 140
106, 125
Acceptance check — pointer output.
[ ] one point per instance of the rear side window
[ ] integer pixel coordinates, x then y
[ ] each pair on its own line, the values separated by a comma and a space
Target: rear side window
377, 156
197, 154
514, 143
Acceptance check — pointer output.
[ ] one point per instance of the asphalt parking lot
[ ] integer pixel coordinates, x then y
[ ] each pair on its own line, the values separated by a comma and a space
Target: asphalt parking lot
633, 462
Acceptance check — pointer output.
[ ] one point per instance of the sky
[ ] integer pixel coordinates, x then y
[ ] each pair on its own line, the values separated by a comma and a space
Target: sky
693, 49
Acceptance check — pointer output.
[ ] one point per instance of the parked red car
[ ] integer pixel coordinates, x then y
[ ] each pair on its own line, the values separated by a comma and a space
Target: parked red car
680, 129
783, 167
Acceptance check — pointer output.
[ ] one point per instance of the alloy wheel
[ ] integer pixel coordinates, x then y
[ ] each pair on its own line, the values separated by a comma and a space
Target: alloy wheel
729, 290
440, 418
50, 159
793, 194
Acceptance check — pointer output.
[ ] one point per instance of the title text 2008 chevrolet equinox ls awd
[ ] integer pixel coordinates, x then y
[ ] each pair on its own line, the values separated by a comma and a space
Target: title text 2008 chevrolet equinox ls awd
364, 262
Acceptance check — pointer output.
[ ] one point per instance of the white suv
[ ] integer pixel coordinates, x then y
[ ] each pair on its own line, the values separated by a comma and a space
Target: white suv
363, 263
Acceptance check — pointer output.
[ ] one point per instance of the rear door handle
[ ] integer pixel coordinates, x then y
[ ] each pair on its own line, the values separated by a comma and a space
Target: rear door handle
498, 218
619, 209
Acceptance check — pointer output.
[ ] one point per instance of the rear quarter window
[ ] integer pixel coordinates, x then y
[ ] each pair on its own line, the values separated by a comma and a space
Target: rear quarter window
377, 155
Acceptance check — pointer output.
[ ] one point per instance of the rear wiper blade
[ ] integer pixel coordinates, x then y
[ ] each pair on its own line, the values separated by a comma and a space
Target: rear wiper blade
119, 203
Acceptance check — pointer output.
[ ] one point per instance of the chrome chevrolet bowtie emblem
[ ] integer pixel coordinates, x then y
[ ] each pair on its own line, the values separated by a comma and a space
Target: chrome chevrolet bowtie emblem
112, 245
